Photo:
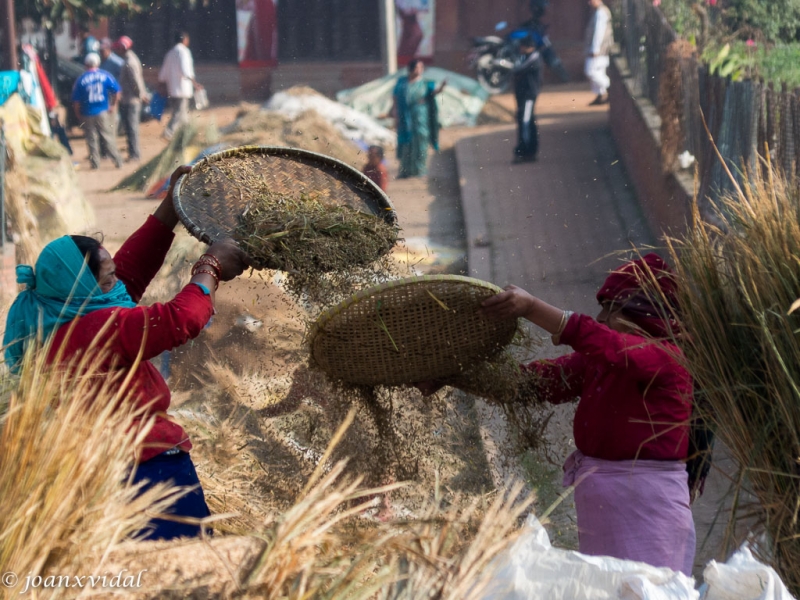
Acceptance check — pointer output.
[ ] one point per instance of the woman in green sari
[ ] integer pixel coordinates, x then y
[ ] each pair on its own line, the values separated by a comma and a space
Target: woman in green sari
417, 119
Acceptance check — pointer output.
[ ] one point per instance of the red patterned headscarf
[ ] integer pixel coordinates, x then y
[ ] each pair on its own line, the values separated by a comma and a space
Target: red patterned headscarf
646, 291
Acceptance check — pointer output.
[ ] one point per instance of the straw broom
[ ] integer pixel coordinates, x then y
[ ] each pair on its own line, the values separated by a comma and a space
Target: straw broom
738, 281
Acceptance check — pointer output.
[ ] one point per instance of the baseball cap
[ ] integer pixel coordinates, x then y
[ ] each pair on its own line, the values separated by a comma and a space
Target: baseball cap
124, 43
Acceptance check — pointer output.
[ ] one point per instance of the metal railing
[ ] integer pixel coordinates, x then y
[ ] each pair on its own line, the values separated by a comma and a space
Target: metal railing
646, 35
744, 118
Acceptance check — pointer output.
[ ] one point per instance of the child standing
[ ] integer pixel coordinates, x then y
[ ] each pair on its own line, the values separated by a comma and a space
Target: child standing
375, 169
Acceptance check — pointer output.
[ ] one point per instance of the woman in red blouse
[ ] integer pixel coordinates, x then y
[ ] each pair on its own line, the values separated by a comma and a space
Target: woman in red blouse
631, 427
83, 299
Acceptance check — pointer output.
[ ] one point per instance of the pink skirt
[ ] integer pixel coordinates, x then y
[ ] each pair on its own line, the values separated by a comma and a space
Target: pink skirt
633, 510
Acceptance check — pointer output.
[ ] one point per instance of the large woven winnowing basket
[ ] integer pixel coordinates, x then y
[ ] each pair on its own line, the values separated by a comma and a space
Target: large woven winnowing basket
409, 330
210, 206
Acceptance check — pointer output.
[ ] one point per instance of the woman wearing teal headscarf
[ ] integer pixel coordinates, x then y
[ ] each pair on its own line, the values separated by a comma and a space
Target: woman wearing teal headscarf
417, 119
79, 299
60, 288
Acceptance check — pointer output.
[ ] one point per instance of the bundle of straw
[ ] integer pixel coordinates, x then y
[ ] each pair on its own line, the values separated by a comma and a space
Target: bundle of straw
739, 280
63, 466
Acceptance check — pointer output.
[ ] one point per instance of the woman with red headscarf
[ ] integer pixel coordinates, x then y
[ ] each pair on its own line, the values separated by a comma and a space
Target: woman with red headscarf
631, 427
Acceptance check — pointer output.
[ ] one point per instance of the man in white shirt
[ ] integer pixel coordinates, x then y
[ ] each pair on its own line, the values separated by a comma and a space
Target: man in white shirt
177, 73
599, 39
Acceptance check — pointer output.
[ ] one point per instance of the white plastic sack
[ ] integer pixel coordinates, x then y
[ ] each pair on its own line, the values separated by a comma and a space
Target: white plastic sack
459, 104
353, 124
743, 578
533, 569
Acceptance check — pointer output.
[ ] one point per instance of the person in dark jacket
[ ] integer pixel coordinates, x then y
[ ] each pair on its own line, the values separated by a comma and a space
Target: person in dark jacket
527, 84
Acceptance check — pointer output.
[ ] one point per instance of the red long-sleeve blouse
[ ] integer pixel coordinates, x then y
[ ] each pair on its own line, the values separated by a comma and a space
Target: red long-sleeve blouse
635, 397
150, 329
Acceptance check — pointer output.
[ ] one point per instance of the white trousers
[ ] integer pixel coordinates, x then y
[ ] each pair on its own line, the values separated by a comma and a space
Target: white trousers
596, 72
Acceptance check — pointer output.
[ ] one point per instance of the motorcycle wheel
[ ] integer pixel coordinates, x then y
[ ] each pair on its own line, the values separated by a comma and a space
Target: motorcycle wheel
492, 79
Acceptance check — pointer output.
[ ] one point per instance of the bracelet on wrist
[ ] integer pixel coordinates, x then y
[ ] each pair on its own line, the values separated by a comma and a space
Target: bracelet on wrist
207, 271
565, 315
212, 261
210, 267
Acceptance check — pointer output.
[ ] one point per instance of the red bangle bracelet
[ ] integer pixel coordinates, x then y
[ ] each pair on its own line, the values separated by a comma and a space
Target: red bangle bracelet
197, 271
210, 260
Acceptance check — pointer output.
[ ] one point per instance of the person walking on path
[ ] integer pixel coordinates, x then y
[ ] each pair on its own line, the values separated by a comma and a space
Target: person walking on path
599, 39
417, 119
177, 74
375, 169
527, 75
94, 97
134, 93
88, 43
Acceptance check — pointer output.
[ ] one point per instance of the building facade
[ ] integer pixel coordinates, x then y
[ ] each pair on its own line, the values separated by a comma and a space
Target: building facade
251, 48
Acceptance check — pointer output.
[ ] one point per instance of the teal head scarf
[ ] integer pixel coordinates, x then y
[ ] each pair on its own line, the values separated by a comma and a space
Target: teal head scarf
61, 288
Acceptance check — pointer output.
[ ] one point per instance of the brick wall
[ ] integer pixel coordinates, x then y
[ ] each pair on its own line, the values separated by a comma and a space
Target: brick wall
457, 22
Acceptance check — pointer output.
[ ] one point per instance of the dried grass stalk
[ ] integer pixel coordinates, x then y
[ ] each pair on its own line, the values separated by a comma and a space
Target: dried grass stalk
326, 251
319, 548
738, 280
302, 234
65, 461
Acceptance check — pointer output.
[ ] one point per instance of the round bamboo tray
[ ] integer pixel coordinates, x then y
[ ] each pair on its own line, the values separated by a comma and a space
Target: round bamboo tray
210, 207
409, 330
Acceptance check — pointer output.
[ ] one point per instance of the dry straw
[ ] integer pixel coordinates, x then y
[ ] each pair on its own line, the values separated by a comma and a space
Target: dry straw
739, 280
66, 510
64, 464
320, 548
220, 188
320, 221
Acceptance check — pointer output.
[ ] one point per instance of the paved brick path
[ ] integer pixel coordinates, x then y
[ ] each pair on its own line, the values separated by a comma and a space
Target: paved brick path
549, 222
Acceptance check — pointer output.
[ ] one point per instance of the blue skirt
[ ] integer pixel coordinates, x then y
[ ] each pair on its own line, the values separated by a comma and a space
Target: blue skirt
178, 470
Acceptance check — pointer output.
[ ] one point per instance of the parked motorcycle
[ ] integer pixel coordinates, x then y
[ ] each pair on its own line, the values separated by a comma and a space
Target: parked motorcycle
493, 57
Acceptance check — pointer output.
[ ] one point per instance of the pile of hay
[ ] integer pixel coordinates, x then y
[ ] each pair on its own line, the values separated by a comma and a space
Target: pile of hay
253, 126
740, 282
59, 496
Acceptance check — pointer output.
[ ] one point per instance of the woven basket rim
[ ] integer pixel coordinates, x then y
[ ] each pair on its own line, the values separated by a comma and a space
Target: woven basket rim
381, 199
330, 313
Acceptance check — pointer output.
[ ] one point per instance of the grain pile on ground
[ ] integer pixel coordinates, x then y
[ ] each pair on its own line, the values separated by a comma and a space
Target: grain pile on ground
740, 284
253, 126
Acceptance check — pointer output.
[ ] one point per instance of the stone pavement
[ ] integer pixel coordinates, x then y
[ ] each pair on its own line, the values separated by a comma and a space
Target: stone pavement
555, 228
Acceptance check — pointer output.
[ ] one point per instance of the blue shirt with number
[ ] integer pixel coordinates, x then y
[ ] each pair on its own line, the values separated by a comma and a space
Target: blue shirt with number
93, 90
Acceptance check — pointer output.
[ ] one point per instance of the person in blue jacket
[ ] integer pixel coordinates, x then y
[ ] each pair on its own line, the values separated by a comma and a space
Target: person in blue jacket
94, 96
